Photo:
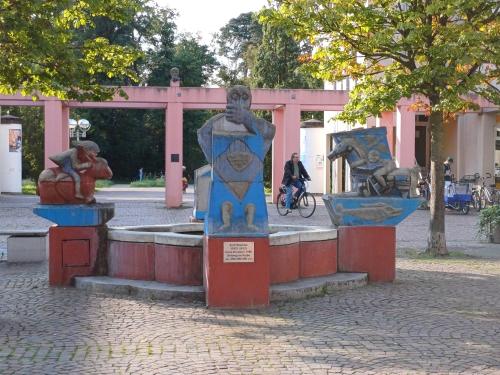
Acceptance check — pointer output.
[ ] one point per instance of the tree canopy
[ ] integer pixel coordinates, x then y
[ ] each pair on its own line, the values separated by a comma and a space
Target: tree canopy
134, 138
394, 49
45, 53
440, 50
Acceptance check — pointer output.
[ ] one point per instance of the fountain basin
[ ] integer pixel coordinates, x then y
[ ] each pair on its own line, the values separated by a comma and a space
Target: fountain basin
174, 253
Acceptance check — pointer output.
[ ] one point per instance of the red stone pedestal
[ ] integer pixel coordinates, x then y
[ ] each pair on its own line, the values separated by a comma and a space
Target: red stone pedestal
368, 249
231, 280
73, 251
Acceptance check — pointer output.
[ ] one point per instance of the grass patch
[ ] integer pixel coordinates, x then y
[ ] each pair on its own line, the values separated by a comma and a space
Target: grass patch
29, 187
422, 255
103, 183
156, 182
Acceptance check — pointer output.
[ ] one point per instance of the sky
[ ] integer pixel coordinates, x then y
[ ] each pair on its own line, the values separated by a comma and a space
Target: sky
206, 17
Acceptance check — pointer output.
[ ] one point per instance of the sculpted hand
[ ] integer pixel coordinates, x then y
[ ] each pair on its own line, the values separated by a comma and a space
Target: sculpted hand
238, 115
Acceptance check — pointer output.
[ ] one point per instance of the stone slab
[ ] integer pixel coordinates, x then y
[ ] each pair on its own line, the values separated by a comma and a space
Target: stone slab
76, 215
27, 249
161, 291
317, 286
139, 288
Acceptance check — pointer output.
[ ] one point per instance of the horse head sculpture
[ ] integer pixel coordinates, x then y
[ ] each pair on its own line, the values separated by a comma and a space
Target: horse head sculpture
54, 190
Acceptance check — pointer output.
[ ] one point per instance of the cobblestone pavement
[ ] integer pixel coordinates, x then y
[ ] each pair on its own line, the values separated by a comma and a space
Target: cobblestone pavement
439, 316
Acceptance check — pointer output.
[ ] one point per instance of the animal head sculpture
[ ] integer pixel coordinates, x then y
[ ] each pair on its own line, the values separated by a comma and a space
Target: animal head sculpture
57, 187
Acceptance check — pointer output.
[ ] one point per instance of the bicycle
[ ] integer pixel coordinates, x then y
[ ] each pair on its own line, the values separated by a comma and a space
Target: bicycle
485, 195
305, 202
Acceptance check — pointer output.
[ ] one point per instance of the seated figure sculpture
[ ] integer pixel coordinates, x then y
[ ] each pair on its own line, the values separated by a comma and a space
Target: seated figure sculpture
73, 180
235, 143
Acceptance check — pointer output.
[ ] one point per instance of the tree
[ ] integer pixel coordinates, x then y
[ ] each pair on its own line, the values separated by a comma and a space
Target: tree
441, 50
44, 54
237, 42
277, 62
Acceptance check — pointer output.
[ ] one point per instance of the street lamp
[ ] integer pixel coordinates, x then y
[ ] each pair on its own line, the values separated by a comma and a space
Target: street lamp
78, 128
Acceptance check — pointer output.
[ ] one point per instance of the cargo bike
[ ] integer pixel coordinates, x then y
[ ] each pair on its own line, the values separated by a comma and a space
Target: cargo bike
458, 197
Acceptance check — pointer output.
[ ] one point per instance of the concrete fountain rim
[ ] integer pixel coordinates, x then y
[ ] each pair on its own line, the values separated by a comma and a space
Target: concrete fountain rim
175, 234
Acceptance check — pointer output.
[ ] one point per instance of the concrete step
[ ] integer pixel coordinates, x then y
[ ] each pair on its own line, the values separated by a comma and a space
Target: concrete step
317, 286
300, 289
139, 288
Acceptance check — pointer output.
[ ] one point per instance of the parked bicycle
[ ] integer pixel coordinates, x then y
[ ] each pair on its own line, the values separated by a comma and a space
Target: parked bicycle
424, 187
485, 195
305, 202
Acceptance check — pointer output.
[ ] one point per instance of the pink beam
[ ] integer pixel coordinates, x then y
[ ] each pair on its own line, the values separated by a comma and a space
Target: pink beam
405, 137
173, 155
56, 129
193, 96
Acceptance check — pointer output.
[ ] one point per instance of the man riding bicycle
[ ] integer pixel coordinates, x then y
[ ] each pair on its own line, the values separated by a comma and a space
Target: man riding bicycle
294, 174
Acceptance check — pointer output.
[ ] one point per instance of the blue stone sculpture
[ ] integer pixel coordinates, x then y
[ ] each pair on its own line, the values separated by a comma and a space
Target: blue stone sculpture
382, 193
235, 143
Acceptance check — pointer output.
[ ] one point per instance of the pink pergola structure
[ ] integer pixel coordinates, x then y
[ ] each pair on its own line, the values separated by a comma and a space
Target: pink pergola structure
286, 106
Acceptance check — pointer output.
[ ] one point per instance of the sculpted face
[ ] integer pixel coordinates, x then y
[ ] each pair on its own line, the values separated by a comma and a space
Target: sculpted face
240, 96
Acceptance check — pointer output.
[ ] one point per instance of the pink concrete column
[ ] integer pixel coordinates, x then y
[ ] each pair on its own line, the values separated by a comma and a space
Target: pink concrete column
286, 140
173, 155
405, 137
387, 120
56, 137
277, 159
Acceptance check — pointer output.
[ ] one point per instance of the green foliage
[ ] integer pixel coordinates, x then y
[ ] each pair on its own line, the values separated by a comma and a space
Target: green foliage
261, 56
441, 50
277, 62
489, 218
237, 43
46, 55
149, 182
99, 184
133, 139
29, 187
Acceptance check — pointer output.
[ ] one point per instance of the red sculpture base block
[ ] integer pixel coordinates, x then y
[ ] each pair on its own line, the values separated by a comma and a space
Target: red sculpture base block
368, 249
236, 272
72, 252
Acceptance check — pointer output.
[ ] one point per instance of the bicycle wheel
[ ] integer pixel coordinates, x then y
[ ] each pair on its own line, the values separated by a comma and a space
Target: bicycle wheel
306, 204
476, 201
281, 204
465, 208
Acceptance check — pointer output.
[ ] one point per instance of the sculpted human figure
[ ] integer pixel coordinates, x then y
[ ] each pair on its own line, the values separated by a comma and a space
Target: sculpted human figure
235, 143
73, 180
75, 160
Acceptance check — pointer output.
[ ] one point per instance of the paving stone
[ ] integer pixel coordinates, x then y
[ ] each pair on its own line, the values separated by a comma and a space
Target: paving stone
439, 316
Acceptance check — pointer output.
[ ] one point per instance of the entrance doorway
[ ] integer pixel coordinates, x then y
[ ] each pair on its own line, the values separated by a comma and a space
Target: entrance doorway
421, 145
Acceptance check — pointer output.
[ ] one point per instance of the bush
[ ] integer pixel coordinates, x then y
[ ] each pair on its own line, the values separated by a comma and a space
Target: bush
29, 187
103, 183
149, 182
489, 218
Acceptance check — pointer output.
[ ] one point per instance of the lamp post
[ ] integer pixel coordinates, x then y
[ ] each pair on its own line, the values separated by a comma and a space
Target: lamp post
78, 128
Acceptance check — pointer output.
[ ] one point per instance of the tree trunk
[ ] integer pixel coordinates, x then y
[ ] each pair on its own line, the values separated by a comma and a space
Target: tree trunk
436, 243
